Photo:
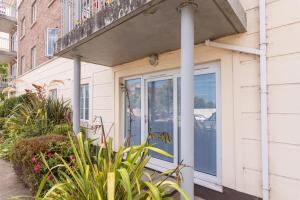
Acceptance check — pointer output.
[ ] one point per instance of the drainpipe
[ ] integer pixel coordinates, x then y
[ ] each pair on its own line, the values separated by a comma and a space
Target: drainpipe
76, 94
264, 100
262, 52
187, 9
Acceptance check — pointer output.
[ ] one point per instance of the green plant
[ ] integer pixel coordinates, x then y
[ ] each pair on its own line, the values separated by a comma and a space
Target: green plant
7, 106
27, 161
108, 175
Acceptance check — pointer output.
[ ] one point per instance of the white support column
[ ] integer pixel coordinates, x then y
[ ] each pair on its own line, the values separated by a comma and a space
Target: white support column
76, 94
187, 96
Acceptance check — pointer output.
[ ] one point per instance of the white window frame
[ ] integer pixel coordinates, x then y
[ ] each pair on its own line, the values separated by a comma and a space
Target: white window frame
33, 12
209, 181
49, 54
84, 119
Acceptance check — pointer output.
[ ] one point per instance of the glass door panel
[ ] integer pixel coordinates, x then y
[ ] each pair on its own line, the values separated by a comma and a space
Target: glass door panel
160, 106
205, 124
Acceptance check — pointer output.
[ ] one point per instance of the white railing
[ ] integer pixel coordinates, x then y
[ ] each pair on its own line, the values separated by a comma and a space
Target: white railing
7, 10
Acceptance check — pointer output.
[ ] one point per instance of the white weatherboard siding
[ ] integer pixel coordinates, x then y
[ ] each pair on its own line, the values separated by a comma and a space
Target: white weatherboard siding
239, 96
99, 78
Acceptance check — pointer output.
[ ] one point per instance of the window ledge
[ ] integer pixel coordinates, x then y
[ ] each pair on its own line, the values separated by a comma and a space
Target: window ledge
33, 24
50, 3
21, 38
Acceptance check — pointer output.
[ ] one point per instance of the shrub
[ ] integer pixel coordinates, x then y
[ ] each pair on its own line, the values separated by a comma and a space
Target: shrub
7, 106
2, 123
109, 175
27, 161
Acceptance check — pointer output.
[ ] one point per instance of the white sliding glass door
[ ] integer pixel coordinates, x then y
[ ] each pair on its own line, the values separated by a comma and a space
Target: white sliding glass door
155, 111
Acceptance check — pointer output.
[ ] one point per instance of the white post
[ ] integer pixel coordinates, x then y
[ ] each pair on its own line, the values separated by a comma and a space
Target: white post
187, 96
76, 94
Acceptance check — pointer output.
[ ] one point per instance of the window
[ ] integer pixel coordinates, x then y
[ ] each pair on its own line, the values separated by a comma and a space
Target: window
84, 102
86, 9
14, 44
52, 35
22, 66
33, 12
33, 57
53, 93
13, 71
68, 16
23, 27
152, 106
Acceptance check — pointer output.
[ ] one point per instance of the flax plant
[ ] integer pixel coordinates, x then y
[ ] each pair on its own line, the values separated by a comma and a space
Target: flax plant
109, 175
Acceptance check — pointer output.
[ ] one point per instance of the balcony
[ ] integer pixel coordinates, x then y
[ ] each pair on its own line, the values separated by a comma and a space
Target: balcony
8, 18
7, 50
123, 31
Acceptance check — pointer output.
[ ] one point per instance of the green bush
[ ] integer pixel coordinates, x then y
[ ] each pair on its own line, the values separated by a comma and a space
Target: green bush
27, 161
8, 105
2, 122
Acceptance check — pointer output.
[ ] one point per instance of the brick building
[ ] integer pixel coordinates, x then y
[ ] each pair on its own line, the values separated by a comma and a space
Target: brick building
39, 24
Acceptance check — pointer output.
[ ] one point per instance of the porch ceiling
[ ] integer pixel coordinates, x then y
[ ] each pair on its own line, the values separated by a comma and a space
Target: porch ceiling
7, 24
7, 57
154, 28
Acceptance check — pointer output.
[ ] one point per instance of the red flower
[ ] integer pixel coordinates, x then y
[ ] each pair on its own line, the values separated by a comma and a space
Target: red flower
37, 168
50, 178
33, 159
71, 157
49, 154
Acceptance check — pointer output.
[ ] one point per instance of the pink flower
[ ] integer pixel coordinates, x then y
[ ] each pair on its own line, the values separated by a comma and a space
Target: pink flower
50, 178
49, 154
37, 168
33, 159
71, 157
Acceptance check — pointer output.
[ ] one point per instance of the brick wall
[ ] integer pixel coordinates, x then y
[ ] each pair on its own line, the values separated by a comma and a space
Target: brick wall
48, 16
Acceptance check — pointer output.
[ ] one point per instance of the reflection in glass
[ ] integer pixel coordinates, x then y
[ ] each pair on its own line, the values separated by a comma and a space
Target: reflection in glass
133, 111
204, 123
160, 113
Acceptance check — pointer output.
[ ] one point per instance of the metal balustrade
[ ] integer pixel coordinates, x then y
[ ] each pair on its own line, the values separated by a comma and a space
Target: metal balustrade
89, 8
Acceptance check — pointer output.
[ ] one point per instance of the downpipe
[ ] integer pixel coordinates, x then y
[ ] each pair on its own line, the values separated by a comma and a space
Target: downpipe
264, 100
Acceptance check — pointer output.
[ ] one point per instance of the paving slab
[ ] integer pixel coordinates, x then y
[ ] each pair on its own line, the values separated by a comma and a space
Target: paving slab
10, 185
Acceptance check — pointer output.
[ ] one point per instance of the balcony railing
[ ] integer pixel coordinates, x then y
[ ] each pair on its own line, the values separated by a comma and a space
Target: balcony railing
7, 10
7, 45
112, 9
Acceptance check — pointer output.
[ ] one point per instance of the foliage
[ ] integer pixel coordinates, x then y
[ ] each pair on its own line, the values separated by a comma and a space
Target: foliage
4, 70
34, 115
8, 105
108, 175
27, 161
